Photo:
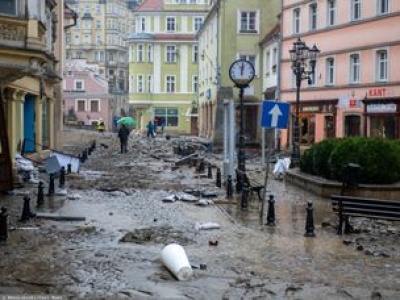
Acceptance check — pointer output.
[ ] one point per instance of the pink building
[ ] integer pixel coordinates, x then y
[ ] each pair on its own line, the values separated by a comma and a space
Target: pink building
356, 85
86, 95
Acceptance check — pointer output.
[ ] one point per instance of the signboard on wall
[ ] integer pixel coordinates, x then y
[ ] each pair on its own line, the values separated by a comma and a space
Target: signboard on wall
381, 108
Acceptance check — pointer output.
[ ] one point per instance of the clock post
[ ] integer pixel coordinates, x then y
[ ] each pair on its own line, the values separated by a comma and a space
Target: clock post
241, 72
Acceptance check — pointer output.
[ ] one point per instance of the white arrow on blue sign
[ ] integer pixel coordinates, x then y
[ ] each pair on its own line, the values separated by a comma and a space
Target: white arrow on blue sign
275, 114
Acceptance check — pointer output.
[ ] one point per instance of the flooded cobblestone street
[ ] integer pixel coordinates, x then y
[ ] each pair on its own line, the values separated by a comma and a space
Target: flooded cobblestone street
121, 194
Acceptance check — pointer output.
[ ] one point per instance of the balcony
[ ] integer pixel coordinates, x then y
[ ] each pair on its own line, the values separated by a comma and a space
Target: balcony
13, 32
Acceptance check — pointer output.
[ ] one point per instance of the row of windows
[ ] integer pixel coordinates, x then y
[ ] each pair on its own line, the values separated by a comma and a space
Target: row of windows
355, 11
89, 39
145, 53
98, 24
187, 1
145, 84
97, 56
381, 68
171, 24
97, 9
92, 105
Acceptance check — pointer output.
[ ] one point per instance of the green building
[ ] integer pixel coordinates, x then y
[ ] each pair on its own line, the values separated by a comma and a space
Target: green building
232, 30
163, 62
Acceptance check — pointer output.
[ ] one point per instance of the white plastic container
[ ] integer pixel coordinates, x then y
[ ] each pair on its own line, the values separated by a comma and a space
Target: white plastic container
174, 258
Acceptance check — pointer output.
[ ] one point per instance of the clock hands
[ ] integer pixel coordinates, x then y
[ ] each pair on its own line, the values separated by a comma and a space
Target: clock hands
241, 69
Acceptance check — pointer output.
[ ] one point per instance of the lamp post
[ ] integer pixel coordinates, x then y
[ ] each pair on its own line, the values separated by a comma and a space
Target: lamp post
303, 65
241, 73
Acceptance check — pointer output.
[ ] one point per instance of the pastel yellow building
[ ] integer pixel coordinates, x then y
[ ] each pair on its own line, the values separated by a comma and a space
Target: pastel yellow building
30, 37
232, 30
163, 62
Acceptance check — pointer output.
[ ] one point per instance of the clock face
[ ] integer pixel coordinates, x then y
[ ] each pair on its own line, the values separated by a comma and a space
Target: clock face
241, 72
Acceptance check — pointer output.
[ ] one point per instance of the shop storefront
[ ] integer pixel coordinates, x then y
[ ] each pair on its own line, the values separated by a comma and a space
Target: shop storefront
382, 117
317, 120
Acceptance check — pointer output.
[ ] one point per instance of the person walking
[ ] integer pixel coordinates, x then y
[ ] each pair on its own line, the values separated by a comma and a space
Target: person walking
123, 134
150, 129
162, 126
100, 126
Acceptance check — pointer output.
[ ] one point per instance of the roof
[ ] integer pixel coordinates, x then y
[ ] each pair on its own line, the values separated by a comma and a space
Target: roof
151, 5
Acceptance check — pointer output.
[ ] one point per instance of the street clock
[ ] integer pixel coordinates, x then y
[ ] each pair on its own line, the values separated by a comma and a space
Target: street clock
241, 72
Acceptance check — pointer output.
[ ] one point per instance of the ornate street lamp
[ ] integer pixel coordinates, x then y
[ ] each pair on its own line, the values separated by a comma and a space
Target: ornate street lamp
303, 65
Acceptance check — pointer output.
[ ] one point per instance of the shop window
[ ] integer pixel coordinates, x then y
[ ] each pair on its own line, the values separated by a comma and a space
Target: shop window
329, 127
352, 125
382, 126
307, 129
169, 115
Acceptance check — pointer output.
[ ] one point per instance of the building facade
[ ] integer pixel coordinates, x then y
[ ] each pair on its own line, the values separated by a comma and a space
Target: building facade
163, 62
29, 79
86, 95
98, 37
232, 30
356, 87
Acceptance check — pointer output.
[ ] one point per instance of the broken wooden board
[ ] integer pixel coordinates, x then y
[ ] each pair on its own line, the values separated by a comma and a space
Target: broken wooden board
185, 159
58, 217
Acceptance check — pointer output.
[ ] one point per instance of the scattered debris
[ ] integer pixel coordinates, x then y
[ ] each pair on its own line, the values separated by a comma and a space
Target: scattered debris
170, 198
59, 217
206, 225
204, 202
213, 242
155, 234
74, 197
174, 258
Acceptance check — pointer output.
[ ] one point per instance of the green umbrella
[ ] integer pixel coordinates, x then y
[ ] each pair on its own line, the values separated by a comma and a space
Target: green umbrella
127, 121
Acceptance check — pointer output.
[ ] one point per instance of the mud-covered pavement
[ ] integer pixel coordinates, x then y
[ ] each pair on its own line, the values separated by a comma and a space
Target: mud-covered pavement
116, 251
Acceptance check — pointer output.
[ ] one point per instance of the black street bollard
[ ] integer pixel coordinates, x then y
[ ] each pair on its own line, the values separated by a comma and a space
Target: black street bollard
93, 145
239, 185
3, 224
218, 180
51, 185
209, 175
245, 195
229, 188
61, 179
202, 166
271, 211
26, 210
69, 168
310, 221
84, 155
40, 195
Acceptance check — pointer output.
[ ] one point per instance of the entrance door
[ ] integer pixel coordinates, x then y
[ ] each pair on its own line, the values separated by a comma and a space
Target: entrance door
352, 125
307, 129
29, 123
5, 159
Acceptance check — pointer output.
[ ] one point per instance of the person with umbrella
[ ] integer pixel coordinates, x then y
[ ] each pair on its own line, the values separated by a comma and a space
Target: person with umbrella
123, 134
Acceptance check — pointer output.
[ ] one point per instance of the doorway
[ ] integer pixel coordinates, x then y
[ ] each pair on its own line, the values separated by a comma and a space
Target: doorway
29, 124
352, 125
